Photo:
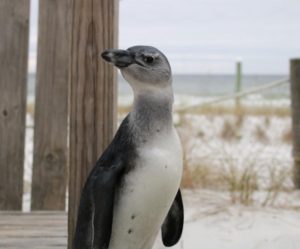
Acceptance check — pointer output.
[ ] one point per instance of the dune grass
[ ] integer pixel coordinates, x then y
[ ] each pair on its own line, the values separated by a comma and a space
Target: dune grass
240, 182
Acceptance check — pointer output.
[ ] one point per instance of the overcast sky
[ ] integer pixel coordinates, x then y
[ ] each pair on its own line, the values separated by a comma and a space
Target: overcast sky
208, 36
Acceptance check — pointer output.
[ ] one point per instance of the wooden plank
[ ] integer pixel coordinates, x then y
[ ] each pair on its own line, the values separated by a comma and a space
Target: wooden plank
35, 213
93, 92
51, 107
37, 230
295, 100
14, 30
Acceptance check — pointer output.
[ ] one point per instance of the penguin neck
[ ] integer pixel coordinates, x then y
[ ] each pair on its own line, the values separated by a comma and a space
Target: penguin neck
152, 110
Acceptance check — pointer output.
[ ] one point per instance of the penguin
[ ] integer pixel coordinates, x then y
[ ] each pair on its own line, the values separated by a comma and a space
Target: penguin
133, 191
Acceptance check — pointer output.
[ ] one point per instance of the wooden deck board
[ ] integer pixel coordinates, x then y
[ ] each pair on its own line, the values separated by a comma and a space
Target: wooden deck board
34, 230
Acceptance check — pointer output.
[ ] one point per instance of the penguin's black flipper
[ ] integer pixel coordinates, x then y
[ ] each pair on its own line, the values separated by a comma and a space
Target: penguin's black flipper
84, 233
95, 215
104, 195
172, 227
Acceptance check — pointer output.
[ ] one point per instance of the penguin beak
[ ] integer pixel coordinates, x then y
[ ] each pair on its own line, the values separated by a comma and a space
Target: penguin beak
117, 57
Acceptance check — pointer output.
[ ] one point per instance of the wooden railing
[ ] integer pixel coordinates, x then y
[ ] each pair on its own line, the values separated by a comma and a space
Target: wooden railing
75, 98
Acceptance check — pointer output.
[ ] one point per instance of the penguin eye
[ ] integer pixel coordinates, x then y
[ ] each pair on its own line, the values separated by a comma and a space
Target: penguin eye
148, 59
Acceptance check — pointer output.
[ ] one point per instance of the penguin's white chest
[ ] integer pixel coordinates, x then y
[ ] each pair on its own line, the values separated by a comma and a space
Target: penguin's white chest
148, 192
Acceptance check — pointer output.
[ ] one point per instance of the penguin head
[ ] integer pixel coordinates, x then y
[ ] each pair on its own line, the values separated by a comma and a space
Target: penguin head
141, 66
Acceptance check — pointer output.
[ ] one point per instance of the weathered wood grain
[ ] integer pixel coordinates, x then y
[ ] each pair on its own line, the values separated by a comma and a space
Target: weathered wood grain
14, 33
36, 230
51, 106
93, 92
295, 100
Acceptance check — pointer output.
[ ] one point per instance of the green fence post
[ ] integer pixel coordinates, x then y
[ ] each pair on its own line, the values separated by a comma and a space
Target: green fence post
238, 83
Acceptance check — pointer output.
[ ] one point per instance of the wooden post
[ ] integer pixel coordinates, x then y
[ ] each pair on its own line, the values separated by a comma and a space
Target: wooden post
14, 37
238, 83
93, 92
51, 107
295, 99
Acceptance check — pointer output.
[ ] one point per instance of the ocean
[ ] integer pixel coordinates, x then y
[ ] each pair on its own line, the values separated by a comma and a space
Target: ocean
205, 85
